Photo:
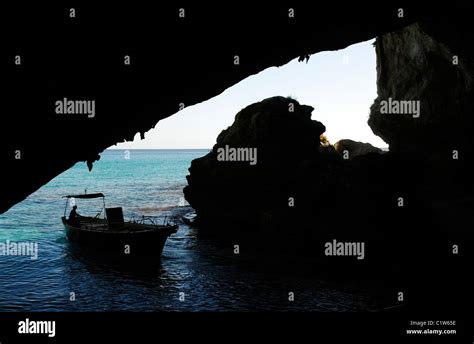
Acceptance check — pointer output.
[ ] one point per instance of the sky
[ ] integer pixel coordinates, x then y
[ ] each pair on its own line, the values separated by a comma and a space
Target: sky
340, 85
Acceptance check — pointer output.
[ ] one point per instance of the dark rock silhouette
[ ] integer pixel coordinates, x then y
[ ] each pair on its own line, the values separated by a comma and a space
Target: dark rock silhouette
354, 148
173, 61
294, 177
299, 197
285, 138
413, 66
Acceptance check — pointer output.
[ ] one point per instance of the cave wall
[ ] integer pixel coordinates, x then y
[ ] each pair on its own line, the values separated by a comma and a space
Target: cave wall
173, 60
431, 62
414, 66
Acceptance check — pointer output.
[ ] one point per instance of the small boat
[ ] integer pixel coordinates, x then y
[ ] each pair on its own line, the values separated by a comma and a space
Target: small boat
145, 235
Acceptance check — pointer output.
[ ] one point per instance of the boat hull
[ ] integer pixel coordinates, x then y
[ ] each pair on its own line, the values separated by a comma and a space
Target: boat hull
132, 239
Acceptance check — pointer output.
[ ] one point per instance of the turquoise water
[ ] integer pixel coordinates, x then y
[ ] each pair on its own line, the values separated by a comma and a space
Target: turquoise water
194, 275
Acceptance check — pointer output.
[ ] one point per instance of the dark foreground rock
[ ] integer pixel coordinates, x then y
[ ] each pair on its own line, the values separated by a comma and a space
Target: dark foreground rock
286, 142
351, 149
295, 198
294, 187
427, 87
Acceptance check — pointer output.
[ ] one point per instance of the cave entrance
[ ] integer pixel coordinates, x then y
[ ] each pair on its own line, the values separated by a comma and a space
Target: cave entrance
340, 85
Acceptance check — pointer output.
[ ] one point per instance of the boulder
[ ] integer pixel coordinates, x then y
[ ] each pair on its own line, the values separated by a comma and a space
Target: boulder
286, 142
355, 148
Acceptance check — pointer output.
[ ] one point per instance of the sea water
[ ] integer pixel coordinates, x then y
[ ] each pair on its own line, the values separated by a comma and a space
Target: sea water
194, 274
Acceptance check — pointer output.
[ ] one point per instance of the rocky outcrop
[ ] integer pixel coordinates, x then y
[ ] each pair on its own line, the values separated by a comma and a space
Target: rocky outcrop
423, 65
409, 206
297, 197
407, 209
285, 141
291, 177
425, 94
353, 149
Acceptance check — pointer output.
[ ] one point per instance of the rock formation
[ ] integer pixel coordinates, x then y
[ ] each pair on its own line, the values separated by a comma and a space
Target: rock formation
173, 60
410, 206
285, 139
354, 148
413, 67
293, 181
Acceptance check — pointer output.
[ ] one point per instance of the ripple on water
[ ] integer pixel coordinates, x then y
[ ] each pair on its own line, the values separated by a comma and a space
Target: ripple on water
210, 282
209, 279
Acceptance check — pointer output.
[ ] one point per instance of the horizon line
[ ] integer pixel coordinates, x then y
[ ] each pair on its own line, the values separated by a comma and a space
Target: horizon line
158, 148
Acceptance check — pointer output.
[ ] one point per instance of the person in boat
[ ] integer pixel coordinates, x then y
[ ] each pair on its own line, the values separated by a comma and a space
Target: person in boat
74, 217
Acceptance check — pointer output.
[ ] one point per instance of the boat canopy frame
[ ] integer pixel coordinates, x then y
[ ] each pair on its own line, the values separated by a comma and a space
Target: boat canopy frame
142, 220
84, 196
